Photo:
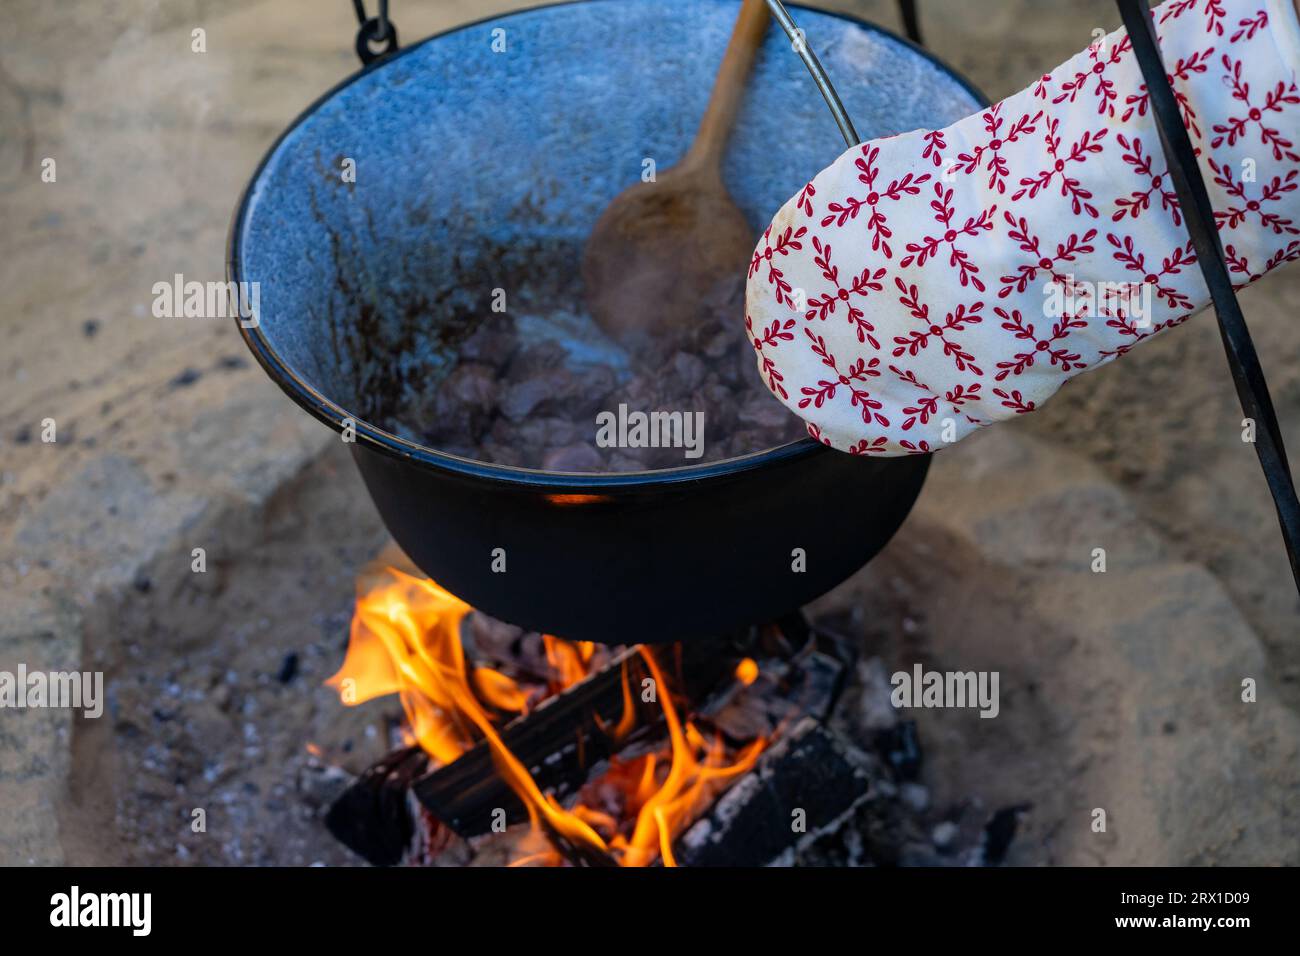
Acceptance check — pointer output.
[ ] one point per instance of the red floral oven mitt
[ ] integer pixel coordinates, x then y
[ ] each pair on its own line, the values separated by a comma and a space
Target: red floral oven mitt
931, 283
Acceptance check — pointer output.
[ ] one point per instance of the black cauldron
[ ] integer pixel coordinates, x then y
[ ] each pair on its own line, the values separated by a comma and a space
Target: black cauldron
479, 153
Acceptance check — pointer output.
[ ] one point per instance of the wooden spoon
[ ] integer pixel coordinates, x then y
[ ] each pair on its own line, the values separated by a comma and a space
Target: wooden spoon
663, 253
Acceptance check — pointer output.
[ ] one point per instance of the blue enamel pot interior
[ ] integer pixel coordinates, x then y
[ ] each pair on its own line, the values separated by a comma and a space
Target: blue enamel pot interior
476, 170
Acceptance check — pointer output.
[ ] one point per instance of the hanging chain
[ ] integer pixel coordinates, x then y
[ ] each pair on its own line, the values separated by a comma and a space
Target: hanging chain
373, 30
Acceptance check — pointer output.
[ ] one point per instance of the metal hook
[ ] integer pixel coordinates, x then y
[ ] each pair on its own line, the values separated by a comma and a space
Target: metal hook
374, 30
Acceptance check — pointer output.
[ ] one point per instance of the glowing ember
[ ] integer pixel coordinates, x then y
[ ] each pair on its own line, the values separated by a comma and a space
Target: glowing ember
405, 640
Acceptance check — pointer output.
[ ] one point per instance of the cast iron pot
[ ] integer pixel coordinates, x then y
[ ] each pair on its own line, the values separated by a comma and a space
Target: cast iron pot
480, 167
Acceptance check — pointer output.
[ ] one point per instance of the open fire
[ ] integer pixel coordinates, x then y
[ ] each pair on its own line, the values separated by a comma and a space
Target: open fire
406, 639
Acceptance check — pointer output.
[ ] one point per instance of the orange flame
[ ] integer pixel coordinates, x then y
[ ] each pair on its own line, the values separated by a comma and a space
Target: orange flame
569, 661
405, 639
628, 720
695, 776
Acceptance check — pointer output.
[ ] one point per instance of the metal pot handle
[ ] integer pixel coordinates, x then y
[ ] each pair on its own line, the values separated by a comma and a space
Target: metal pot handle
799, 43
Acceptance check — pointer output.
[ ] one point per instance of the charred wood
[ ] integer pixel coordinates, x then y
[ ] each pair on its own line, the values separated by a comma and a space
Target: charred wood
801, 787
561, 740
372, 817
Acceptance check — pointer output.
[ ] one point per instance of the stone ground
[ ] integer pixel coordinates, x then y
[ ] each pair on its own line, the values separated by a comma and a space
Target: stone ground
1119, 691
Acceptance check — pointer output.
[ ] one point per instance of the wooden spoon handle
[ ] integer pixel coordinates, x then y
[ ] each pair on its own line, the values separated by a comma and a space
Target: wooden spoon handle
729, 87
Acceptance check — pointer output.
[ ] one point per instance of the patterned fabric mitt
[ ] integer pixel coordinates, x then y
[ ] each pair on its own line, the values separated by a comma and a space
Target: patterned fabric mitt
934, 282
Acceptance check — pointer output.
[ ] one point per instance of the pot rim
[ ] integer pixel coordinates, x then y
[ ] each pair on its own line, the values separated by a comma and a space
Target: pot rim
375, 438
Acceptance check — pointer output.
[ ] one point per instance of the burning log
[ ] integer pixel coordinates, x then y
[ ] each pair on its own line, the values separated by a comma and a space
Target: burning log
559, 741
803, 786
807, 685
577, 853
562, 739
409, 635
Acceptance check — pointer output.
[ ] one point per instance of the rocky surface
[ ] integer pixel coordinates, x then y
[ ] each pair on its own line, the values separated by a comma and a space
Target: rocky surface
1121, 690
